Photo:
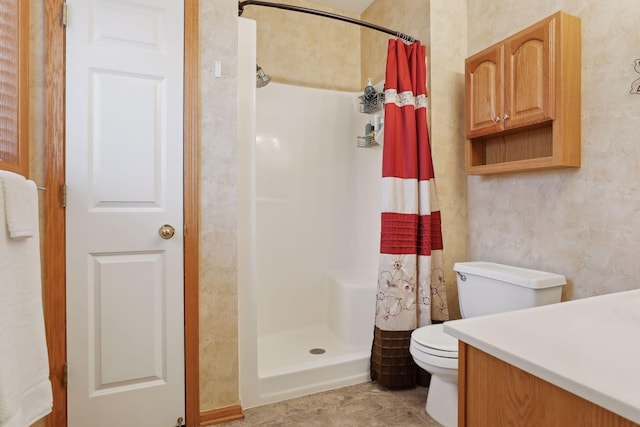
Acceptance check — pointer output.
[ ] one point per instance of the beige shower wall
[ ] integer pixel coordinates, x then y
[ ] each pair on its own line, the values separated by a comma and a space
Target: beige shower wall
441, 26
582, 223
307, 50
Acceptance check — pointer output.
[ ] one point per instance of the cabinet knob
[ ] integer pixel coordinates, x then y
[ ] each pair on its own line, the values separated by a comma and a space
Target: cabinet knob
496, 119
506, 116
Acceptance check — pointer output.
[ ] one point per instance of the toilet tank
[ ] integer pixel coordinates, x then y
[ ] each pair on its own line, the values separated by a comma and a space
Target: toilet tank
487, 288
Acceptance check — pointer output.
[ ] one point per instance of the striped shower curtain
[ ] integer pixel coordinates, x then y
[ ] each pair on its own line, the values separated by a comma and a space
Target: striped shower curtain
411, 289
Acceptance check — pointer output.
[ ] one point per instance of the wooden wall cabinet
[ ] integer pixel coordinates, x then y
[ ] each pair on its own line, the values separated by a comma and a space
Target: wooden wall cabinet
494, 393
523, 100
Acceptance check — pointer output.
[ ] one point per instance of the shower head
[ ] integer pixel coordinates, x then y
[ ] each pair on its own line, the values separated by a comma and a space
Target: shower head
261, 78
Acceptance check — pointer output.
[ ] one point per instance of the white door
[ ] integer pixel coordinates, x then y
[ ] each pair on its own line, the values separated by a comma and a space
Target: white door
124, 100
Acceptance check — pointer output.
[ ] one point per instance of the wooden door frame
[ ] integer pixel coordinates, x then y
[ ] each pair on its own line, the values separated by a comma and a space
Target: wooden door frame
54, 267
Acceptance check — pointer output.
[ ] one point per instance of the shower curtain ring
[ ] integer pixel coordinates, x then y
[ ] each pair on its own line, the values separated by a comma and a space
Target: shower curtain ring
405, 37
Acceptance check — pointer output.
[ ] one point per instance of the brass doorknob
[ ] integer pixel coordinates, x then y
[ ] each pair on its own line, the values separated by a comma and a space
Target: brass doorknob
167, 231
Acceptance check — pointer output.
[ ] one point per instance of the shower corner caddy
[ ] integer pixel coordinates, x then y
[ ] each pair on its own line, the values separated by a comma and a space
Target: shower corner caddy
366, 142
370, 104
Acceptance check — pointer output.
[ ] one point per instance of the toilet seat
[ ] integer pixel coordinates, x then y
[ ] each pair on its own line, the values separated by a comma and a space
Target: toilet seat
433, 340
432, 363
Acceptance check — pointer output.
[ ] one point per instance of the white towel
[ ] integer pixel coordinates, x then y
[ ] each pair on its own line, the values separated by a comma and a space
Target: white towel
18, 205
25, 389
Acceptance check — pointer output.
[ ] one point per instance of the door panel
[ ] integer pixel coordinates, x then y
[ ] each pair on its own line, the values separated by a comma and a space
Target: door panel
127, 139
126, 320
124, 177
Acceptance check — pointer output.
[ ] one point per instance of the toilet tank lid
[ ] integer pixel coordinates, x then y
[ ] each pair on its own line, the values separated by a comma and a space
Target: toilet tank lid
525, 277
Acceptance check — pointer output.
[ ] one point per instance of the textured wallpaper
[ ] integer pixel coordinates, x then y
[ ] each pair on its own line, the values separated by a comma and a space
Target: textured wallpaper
218, 210
306, 50
446, 73
409, 16
582, 223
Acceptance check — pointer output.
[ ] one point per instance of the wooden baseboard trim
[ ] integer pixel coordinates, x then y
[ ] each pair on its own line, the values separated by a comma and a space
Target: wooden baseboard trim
222, 415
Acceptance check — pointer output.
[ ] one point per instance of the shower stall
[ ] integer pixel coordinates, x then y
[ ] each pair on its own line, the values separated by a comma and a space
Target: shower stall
309, 213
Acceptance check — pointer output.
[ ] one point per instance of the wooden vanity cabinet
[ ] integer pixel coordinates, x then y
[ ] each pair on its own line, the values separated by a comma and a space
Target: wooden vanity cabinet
523, 100
493, 393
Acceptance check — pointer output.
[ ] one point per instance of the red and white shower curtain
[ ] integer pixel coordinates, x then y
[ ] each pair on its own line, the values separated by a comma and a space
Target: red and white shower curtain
411, 287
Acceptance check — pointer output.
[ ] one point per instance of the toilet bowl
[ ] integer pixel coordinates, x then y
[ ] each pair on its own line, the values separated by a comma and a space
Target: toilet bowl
483, 288
437, 353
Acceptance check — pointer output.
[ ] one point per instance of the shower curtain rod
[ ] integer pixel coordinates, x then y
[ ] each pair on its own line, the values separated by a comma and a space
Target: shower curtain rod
407, 38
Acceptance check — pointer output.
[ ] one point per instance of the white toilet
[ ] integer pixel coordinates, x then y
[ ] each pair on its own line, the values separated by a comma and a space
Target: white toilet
483, 288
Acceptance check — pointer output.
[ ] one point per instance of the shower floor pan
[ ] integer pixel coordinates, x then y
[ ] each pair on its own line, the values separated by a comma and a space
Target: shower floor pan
288, 368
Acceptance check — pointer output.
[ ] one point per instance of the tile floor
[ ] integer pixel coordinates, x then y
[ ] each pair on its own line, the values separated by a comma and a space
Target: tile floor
361, 405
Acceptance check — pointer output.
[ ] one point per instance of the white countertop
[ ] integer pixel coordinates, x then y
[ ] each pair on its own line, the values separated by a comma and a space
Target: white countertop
589, 347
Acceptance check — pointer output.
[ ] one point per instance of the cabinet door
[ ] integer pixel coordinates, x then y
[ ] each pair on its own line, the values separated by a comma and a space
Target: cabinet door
14, 95
484, 86
529, 71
